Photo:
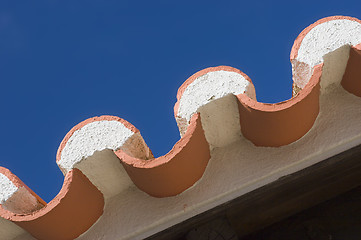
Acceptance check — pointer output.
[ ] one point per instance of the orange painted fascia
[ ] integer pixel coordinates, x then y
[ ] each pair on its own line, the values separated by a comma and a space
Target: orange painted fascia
179, 169
73, 211
351, 80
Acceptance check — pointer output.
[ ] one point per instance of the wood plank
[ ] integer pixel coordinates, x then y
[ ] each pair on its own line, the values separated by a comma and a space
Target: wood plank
338, 218
297, 192
282, 198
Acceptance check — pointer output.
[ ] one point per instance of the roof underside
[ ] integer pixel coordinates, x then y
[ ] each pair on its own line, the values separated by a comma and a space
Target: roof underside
231, 145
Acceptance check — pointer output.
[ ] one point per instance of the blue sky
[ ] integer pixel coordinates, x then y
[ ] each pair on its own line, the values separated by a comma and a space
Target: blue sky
64, 61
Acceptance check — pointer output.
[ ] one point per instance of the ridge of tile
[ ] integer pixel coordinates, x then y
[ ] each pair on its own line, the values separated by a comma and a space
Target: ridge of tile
214, 107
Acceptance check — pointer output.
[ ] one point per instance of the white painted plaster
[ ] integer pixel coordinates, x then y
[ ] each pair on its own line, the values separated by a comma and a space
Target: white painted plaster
90, 149
234, 170
211, 86
327, 37
105, 171
95, 136
7, 188
220, 121
209, 94
320, 41
334, 66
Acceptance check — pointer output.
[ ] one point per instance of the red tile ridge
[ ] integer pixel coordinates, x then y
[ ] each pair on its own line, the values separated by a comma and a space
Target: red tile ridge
90, 120
19, 184
200, 73
279, 124
176, 171
76, 208
80, 202
301, 36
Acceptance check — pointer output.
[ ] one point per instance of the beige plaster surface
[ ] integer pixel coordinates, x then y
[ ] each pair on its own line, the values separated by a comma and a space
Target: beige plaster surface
233, 171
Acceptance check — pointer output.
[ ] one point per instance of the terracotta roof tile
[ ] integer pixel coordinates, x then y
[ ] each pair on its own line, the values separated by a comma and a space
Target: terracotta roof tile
214, 107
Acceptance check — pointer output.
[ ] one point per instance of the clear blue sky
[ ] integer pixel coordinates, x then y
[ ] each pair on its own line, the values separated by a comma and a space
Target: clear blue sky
64, 61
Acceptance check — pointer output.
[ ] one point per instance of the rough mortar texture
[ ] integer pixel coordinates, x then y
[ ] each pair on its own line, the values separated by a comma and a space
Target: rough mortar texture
320, 41
212, 86
95, 136
212, 96
7, 188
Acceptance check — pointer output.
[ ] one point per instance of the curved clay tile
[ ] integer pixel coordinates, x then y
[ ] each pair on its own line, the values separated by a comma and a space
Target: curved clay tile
282, 123
214, 107
161, 177
89, 147
174, 172
77, 206
326, 41
88, 143
211, 92
15, 196
351, 80
319, 57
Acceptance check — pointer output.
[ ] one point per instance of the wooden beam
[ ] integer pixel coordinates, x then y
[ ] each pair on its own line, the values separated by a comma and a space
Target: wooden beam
282, 198
337, 218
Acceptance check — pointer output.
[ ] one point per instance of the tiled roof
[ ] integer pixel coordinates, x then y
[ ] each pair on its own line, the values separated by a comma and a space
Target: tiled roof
214, 107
